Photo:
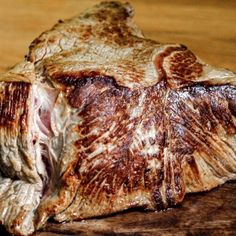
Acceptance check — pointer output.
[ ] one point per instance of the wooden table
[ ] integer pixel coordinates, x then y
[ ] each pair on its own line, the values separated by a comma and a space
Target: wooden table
208, 28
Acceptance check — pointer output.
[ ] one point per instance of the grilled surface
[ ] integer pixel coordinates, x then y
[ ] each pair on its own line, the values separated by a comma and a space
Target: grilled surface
101, 120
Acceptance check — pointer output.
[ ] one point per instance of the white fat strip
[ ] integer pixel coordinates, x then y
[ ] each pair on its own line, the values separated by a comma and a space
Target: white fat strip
138, 110
43, 100
153, 164
140, 135
100, 149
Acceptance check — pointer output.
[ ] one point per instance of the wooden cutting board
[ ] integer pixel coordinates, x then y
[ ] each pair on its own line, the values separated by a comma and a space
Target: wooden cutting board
208, 28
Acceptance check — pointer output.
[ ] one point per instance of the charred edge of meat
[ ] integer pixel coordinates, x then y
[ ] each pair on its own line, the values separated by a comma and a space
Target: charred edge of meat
80, 78
15, 99
73, 82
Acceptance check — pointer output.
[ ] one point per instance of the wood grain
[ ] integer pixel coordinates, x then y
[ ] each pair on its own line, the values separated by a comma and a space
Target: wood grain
208, 28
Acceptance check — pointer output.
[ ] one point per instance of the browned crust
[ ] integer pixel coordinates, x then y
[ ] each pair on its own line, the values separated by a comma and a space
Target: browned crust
13, 105
101, 102
183, 67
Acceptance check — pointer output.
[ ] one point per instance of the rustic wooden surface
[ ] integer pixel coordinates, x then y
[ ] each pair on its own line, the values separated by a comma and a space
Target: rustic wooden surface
208, 28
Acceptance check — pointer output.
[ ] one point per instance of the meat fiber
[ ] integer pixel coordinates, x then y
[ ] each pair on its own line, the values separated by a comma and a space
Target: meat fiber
99, 119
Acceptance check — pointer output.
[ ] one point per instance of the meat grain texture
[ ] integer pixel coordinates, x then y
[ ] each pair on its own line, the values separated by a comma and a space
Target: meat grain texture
99, 119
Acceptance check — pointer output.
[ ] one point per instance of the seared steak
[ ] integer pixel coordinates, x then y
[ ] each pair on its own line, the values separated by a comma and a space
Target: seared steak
99, 119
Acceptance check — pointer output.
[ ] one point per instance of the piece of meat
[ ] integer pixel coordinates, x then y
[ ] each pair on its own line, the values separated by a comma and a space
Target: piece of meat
99, 119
